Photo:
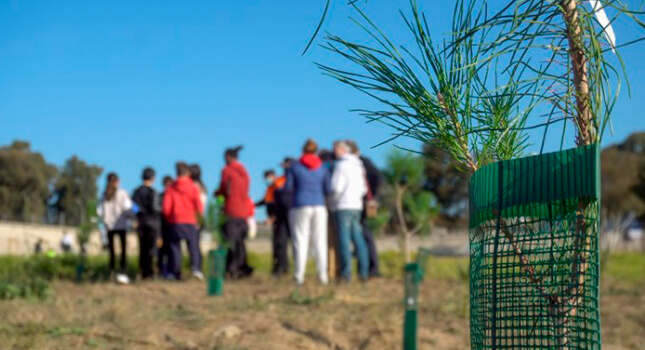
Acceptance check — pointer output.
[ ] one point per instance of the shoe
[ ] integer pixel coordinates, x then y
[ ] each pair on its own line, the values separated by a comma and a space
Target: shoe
122, 278
323, 281
198, 275
298, 283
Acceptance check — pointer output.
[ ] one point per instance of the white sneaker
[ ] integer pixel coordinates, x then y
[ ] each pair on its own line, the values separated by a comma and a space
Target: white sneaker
198, 275
122, 279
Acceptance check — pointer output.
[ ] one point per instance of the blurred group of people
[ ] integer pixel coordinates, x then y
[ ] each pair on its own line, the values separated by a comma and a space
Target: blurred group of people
177, 214
323, 199
320, 201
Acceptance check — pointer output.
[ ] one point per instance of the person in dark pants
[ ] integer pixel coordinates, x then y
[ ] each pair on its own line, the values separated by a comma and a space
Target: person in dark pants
181, 208
162, 243
149, 218
373, 177
196, 176
281, 231
115, 210
234, 187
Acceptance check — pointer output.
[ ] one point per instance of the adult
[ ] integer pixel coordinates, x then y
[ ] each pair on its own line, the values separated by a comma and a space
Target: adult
348, 187
181, 209
268, 200
308, 180
281, 229
196, 176
234, 187
114, 211
370, 205
162, 242
149, 218
327, 158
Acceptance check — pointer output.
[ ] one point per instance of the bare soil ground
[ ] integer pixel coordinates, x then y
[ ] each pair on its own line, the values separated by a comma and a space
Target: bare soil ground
263, 313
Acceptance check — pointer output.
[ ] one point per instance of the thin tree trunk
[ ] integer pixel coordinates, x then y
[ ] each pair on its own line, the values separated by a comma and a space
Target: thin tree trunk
400, 191
584, 117
568, 307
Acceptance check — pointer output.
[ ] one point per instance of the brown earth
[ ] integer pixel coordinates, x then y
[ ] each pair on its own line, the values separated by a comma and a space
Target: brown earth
262, 313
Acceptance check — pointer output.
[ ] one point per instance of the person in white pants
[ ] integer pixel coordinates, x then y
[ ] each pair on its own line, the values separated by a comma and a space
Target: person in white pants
309, 182
309, 223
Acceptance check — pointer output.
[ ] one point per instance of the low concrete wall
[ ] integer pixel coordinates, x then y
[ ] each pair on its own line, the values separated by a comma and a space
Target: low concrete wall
20, 239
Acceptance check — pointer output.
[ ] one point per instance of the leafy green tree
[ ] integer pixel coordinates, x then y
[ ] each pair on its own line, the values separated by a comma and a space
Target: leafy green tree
622, 167
75, 189
25, 178
414, 207
448, 184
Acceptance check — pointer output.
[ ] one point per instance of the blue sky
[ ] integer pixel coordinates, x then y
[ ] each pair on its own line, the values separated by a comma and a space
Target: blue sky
126, 84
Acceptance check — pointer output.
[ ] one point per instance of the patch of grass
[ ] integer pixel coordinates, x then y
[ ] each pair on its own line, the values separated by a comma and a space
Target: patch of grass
299, 298
28, 277
61, 331
184, 315
627, 268
262, 263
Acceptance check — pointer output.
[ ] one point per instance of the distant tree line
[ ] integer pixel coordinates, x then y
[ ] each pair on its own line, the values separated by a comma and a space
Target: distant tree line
33, 190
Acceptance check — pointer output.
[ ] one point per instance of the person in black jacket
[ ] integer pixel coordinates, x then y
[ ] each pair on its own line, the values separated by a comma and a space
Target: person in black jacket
282, 201
149, 218
373, 178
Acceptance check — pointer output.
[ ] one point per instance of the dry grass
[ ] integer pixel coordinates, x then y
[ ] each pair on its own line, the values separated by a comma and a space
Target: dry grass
262, 313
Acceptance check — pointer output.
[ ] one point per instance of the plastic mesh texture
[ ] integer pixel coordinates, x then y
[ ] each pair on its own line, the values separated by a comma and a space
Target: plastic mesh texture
534, 271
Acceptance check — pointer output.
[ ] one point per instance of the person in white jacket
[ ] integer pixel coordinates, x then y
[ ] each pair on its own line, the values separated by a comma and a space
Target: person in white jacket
115, 210
348, 187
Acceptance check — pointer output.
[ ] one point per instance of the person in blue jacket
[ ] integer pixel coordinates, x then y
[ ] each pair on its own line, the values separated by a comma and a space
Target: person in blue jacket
309, 182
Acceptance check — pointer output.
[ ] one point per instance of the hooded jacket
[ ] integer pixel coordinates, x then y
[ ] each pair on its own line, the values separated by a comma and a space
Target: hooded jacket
234, 186
181, 202
348, 184
308, 181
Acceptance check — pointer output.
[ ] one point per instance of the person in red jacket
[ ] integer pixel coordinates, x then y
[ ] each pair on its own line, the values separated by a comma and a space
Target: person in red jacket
234, 186
181, 208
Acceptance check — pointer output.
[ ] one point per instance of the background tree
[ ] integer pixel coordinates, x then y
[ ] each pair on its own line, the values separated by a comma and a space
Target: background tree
74, 190
25, 178
414, 207
448, 184
622, 167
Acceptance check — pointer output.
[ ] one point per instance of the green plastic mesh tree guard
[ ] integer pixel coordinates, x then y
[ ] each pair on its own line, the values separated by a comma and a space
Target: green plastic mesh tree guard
534, 252
216, 271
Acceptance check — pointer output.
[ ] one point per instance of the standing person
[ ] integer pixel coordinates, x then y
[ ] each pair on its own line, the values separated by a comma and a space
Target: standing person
234, 187
196, 176
162, 242
278, 202
370, 206
348, 187
181, 208
149, 217
114, 210
281, 230
308, 180
332, 236
269, 195
66, 242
